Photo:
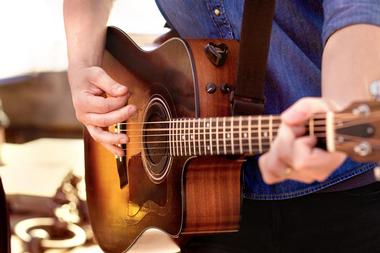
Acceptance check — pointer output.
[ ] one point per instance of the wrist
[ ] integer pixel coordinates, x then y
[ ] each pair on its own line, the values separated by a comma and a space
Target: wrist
84, 62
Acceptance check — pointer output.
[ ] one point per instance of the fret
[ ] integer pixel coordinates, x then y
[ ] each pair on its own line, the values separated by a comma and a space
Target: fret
259, 134
199, 136
170, 139
240, 136
173, 138
176, 136
330, 132
244, 131
183, 130
180, 137
194, 137
224, 135
189, 135
250, 134
232, 135
311, 126
217, 136
183, 137
210, 127
204, 136
270, 130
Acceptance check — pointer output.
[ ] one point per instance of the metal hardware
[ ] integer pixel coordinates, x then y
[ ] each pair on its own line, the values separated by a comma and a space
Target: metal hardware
363, 149
374, 89
210, 88
217, 12
216, 53
361, 110
225, 88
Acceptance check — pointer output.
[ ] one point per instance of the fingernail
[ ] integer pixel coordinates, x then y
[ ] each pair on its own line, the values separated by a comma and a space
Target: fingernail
119, 89
293, 116
131, 109
124, 140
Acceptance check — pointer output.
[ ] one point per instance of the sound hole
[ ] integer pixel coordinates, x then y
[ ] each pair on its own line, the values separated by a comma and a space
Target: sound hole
156, 139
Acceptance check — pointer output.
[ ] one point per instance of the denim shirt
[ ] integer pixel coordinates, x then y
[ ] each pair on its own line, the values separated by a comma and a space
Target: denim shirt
299, 32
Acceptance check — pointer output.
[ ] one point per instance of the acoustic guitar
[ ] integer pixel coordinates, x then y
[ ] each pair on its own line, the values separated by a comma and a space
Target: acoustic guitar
181, 171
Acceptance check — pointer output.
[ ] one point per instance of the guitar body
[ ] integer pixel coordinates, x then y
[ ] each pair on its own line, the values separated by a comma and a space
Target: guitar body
179, 195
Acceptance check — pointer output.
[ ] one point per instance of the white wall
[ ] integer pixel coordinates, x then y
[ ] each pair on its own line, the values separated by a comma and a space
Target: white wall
32, 35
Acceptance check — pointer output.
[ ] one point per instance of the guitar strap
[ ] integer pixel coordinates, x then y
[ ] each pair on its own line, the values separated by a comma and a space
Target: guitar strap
248, 96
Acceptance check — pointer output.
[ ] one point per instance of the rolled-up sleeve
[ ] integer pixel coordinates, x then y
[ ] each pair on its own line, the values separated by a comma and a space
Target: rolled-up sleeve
341, 13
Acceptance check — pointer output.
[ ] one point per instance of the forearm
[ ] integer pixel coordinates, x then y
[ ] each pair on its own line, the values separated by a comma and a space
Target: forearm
85, 25
350, 62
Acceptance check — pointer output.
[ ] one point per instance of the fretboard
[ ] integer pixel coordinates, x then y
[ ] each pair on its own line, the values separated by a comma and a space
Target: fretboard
222, 136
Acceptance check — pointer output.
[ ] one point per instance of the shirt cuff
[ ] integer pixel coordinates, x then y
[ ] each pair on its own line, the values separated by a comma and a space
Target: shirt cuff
342, 13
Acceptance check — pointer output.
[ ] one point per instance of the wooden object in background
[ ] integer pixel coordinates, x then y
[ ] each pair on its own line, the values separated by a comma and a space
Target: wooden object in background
39, 106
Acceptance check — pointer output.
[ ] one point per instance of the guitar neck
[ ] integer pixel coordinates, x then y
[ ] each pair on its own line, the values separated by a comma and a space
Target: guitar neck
229, 135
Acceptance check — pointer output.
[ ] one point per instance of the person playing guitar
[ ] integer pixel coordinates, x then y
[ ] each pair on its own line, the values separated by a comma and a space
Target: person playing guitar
323, 55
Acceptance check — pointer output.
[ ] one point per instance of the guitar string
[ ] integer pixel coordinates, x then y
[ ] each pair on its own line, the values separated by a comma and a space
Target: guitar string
274, 126
245, 144
274, 120
200, 133
320, 116
198, 123
338, 117
265, 147
338, 125
358, 122
215, 134
189, 131
185, 142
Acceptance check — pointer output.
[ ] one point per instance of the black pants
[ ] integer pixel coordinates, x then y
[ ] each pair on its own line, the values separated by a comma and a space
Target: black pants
4, 224
346, 221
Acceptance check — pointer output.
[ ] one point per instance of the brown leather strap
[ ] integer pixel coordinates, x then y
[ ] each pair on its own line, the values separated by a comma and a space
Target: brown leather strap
248, 97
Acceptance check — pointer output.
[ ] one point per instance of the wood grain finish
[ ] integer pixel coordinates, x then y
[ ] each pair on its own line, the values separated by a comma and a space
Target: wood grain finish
212, 184
216, 104
119, 216
212, 190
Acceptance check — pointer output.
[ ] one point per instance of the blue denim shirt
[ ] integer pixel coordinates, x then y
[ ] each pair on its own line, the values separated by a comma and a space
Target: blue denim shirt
300, 30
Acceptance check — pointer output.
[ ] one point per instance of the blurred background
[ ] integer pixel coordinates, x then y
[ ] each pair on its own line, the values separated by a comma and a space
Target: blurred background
41, 151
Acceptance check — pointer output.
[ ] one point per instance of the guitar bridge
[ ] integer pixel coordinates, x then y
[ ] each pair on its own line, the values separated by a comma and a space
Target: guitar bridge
121, 161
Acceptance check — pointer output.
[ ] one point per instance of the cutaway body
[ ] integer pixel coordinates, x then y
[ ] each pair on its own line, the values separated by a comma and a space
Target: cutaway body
178, 194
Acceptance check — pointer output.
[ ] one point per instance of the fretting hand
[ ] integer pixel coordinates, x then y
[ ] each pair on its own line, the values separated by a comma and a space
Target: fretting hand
293, 155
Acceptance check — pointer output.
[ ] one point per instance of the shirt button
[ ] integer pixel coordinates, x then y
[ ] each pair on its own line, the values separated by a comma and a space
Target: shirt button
217, 12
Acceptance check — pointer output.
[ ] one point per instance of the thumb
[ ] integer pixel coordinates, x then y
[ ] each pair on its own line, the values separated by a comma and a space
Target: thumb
98, 77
